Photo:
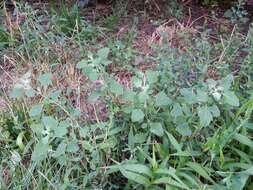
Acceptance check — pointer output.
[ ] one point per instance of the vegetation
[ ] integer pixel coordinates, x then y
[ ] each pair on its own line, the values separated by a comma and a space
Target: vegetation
103, 103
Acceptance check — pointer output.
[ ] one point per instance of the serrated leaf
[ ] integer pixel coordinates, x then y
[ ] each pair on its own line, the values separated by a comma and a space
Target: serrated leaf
231, 98
35, 110
161, 99
205, 116
40, 151
156, 128
45, 79
137, 115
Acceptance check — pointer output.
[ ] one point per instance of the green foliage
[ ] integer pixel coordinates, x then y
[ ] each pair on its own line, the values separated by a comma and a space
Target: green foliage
172, 127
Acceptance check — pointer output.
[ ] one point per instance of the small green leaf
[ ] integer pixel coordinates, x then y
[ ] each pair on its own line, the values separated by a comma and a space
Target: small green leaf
189, 95
231, 98
143, 96
136, 82
137, 115
49, 122
45, 79
129, 95
116, 88
214, 110
35, 110
17, 93
40, 151
201, 96
82, 64
184, 129
156, 128
205, 116
177, 110
60, 150
161, 99
62, 129
103, 53
73, 146
152, 76
90, 73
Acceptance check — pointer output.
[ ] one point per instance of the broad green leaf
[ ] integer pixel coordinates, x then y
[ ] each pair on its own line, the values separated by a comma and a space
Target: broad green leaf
129, 95
91, 73
171, 172
184, 129
72, 146
60, 150
143, 96
116, 88
214, 110
17, 93
201, 96
94, 96
62, 129
205, 116
152, 76
189, 95
200, 170
177, 110
140, 179
35, 110
136, 82
156, 128
169, 181
103, 53
40, 151
138, 168
231, 99
82, 64
49, 122
45, 79
161, 99
37, 128
244, 140
137, 115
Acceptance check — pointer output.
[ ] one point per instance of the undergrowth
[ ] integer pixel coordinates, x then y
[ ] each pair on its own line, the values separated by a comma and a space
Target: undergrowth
83, 115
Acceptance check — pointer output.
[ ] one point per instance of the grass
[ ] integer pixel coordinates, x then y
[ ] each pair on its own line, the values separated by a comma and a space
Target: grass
119, 102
